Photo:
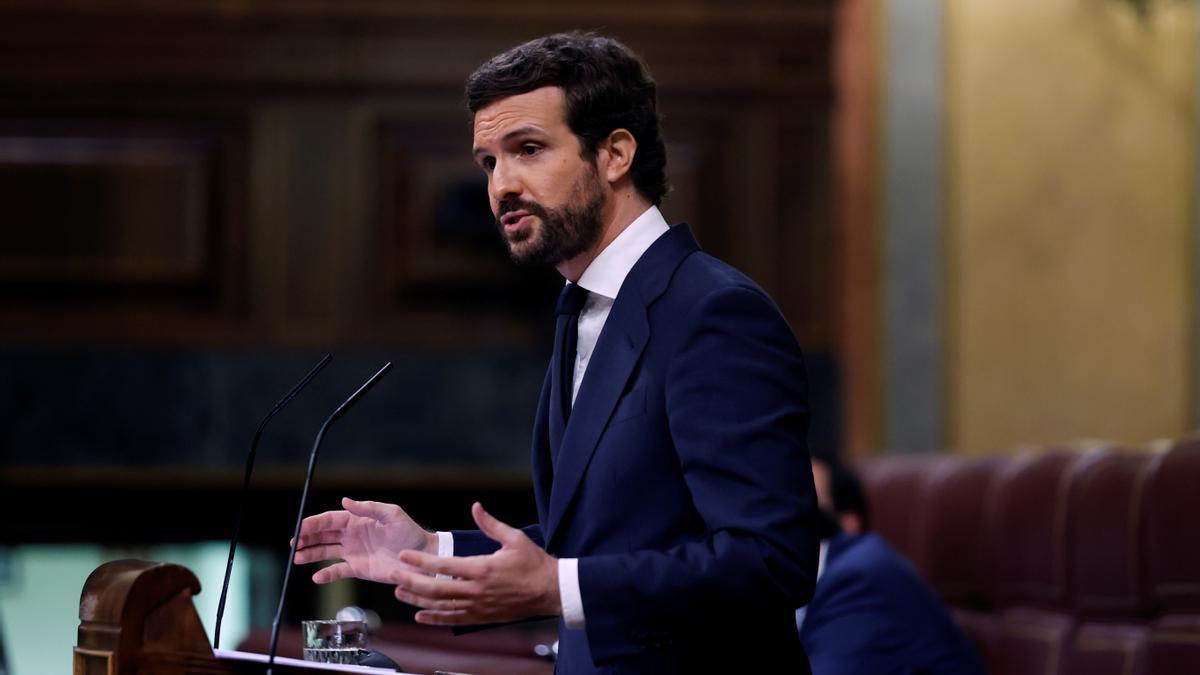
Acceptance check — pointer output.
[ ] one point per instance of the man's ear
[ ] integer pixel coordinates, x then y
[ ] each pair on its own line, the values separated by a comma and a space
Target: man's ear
851, 523
616, 155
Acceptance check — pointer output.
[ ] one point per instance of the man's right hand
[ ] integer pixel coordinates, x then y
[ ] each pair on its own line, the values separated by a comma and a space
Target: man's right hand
366, 538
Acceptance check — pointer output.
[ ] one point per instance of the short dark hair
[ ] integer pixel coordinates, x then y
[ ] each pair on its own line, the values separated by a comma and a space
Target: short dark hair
607, 87
847, 493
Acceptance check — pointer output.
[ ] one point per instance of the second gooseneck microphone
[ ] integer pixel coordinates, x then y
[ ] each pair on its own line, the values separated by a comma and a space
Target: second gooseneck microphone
312, 465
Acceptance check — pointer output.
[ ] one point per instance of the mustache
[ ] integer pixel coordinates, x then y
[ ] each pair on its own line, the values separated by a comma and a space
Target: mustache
510, 204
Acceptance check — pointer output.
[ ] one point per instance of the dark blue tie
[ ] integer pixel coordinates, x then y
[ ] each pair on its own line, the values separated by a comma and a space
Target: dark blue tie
566, 337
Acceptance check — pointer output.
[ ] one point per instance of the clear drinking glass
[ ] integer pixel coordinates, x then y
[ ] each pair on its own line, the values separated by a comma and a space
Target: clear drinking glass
333, 641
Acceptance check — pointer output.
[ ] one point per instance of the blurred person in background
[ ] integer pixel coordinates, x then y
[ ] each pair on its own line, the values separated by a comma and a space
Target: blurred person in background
871, 612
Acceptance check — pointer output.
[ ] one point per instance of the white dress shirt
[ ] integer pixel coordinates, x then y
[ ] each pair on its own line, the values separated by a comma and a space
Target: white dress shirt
803, 611
602, 280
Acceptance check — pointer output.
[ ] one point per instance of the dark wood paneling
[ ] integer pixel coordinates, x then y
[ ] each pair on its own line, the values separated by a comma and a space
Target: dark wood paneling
113, 222
125, 205
342, 206
296, 173
131, 507
385, 43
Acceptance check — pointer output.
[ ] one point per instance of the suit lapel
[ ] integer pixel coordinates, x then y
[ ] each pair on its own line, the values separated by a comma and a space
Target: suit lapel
557, 423
543, 470
617, 352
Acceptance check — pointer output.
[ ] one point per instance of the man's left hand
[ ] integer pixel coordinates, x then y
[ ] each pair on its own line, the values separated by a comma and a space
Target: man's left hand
517, 582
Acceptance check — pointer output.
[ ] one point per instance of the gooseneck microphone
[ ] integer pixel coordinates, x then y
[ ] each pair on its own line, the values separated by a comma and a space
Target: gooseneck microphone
237, 524
312, 465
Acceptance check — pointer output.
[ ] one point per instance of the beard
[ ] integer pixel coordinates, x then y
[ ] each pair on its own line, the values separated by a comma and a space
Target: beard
564, 232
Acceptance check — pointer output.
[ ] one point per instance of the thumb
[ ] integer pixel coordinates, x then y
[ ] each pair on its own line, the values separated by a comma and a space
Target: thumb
373, 510
507, 535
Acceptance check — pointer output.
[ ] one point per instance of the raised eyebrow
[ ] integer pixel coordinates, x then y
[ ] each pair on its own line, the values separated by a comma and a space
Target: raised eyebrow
515, 133
480, 153
521, 131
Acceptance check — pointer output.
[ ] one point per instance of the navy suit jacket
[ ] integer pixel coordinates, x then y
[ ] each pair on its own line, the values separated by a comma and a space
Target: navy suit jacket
872, 613
683, 483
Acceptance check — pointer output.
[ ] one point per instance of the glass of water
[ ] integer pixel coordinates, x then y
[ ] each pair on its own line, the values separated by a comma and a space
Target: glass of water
333, 641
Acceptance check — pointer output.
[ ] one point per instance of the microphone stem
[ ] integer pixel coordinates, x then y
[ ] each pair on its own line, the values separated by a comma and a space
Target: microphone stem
312, 465
287, 571
237, 524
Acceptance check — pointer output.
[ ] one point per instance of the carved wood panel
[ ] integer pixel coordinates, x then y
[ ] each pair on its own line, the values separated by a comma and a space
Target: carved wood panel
299, 173
110, 223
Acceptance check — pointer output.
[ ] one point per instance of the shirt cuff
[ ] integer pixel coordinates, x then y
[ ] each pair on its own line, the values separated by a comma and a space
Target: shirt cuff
445, 550
568, 591
445, 545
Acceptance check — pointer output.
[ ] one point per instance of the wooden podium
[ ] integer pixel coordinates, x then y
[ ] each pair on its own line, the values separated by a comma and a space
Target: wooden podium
137, 618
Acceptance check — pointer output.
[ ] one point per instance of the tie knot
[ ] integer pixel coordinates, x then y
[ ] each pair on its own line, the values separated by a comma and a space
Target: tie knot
571, 300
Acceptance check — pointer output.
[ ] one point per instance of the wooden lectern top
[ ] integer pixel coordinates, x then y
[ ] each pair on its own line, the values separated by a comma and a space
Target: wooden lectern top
136, 617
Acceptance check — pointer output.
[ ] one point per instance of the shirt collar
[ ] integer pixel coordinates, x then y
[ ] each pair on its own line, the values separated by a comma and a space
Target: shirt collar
608, 271
822, 553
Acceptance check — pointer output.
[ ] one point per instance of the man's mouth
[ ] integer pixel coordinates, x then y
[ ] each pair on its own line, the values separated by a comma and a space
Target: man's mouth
514, 219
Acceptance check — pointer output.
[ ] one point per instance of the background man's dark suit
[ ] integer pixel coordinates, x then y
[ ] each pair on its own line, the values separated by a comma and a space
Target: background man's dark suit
871, 613
683, 483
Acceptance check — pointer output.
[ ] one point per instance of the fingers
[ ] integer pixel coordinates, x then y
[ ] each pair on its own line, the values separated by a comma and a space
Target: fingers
456, 605
322, 537
372, 510
419, 585
494, 529
332, 573
445, 618
444, 595
471, 567
330, 520
318, 553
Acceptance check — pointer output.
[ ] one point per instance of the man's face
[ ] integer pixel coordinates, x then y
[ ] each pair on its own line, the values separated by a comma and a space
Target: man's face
548, 200
821, 483
832, 521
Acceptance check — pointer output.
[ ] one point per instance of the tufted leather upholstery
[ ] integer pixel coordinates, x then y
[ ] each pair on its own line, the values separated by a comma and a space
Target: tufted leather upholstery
1057, 562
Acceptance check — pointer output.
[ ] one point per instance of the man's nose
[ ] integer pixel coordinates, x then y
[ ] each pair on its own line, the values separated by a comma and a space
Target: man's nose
505, 182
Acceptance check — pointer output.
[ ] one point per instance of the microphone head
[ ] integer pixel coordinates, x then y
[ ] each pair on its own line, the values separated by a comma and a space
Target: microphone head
351, 613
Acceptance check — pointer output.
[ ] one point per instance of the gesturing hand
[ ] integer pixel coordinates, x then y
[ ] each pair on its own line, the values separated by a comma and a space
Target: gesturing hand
367, 538
516, 582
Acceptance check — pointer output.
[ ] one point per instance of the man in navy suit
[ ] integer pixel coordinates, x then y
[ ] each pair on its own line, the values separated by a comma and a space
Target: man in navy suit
676, 509
871, 612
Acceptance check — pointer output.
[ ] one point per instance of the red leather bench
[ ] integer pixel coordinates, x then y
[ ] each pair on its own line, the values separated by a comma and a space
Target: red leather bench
1056, 562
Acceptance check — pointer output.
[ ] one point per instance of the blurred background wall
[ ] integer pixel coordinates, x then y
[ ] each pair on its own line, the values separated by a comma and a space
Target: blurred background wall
1070, 181
979, 218
200, 199
1039, 222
